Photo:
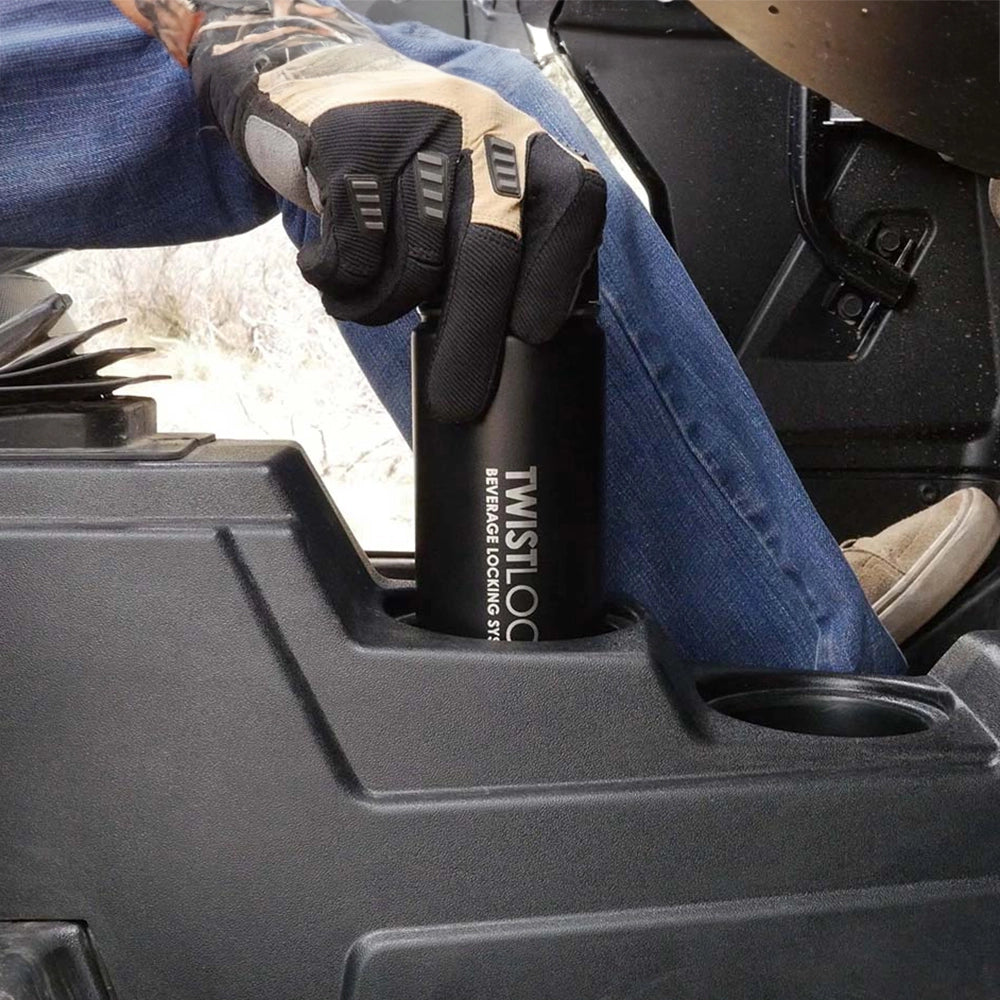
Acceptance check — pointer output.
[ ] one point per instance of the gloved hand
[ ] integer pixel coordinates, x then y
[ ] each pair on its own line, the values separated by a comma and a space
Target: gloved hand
428, 186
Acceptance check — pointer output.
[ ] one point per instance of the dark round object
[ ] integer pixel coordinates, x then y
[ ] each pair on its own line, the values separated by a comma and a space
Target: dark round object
823, 713
841, 705
889, 240
929, 493
850, 306
926, 71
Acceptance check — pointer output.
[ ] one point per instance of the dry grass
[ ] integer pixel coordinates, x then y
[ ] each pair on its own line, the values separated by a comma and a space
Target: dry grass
253, 355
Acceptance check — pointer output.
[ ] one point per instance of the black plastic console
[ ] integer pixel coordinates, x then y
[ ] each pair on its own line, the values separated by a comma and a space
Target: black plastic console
230, 762
48, 961
768, 194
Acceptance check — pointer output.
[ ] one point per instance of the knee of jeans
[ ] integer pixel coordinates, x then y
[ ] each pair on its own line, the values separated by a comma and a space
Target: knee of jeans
423, 43
507, 71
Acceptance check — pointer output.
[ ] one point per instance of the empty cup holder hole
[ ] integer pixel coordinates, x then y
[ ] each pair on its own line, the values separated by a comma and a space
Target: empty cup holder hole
400, 603
826, 706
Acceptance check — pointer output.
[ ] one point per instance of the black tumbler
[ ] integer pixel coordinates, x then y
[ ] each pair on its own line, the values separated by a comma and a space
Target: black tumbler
509, 508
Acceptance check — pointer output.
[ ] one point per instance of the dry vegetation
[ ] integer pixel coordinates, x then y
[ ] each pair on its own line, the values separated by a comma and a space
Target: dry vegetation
252, 355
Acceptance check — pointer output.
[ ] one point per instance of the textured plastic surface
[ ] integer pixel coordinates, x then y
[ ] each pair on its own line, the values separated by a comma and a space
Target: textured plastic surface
706, 124
863, 55
223, 752
19, 290
84, 425
48, 961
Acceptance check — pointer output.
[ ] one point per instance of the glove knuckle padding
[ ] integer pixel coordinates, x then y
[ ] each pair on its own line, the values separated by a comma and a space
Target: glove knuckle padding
479, 110
379, 274
563, 216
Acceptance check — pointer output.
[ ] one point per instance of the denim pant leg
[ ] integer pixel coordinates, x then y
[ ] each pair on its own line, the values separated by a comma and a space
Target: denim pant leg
101, 143
708, 526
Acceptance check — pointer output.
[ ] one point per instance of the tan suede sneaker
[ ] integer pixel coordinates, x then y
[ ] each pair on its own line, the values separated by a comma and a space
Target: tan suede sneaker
913, 568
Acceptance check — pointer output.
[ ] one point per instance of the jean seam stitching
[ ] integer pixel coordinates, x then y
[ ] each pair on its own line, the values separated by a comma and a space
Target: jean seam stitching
799, 588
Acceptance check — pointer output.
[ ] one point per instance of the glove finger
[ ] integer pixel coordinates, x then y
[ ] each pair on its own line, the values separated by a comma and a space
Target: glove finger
413, 267
354, 230
350, 147
484, 263
318, 258
561, 218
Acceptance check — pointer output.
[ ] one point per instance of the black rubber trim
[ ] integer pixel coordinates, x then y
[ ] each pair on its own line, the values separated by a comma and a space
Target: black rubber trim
501, 157
365, 192
432, 185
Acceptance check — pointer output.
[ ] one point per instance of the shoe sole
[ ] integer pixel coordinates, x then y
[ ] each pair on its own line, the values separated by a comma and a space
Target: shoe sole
943, 570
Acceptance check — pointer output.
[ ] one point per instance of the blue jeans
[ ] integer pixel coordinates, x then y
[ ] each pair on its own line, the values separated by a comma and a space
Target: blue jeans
708, 526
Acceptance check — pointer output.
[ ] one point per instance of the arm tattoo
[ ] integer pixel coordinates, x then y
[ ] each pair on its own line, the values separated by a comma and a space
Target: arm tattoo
173, 22
271, 32
274, 32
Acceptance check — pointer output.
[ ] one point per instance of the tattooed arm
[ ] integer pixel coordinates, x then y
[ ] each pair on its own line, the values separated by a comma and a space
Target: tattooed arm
173, 22
177, 23
427, 185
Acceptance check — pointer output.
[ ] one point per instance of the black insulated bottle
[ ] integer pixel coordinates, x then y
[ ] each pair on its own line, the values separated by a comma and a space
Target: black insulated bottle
509, 508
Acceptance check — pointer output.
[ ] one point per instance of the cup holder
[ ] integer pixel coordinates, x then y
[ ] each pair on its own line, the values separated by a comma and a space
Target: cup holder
400, 603
845, 706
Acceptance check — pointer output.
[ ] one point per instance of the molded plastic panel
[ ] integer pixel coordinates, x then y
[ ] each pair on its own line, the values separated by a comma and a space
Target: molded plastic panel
48, 961
224, 752
847, 384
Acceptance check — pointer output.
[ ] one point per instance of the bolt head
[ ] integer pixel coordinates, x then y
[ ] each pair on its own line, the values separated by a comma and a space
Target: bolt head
850, 306
889, 240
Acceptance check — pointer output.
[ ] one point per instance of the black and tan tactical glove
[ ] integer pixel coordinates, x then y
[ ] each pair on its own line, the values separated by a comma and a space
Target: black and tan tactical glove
428, 186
